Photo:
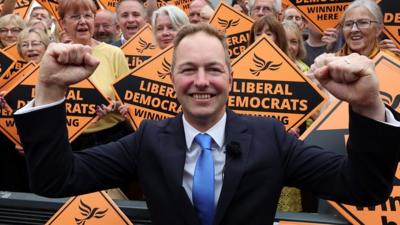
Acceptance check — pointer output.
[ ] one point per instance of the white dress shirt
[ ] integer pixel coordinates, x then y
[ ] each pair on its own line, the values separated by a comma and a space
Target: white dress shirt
193, 150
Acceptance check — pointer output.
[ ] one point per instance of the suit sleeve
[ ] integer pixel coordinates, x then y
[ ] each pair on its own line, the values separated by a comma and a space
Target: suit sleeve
363, 177
55, 171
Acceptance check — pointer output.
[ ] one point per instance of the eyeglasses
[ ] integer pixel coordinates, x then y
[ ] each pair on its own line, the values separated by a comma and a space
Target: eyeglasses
263, 9
14, 30
361, 24
33, 44
86, 16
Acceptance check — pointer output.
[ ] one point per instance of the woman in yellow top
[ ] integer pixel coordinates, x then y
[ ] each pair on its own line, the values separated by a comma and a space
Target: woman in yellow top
362, 24
77, 19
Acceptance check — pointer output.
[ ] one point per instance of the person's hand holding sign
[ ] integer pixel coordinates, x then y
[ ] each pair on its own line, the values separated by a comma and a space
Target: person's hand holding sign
75, 60
353, 79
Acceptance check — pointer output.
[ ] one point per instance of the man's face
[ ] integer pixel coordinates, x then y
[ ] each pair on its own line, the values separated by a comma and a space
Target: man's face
293, 15
104, 27
195, 9
41, 14
201, 79
262, 8
131, 17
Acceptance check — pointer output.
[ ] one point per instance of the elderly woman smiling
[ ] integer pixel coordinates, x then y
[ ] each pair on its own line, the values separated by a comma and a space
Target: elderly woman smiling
32, 43
362, 23
166, 22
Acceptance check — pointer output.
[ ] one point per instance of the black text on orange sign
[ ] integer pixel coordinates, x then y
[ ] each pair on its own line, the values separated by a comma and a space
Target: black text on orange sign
326, 12
305, 2
237, 43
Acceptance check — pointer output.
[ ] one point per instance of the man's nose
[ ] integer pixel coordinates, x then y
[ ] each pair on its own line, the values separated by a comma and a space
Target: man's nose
201, 79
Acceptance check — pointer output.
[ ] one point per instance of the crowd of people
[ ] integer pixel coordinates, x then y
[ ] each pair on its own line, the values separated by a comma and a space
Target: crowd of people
82, 22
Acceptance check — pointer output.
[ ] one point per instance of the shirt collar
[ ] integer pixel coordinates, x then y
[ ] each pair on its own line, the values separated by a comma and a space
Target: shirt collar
217, 132
123, 40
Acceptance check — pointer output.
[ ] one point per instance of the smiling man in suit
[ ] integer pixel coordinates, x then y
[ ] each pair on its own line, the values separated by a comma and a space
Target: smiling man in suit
209, 165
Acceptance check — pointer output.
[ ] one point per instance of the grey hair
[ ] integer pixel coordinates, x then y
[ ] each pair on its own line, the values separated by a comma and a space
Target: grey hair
370, 5
177, 16
277, 5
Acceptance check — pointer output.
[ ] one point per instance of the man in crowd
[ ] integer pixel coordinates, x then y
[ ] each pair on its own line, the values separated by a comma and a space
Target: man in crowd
195, 9
292, 14
105, 26
42, 14
209, 165
260, 8
131, 16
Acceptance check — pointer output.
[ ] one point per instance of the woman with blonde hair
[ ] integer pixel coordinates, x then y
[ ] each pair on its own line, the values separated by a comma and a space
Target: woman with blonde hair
10, 26
32, 44
166, 22
297, 51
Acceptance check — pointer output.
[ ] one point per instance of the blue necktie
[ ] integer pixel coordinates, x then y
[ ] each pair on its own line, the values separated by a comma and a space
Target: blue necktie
203, 181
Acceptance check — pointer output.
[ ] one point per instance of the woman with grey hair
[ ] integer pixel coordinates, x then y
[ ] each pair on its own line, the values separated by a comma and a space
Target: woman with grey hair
166, 22
362, 24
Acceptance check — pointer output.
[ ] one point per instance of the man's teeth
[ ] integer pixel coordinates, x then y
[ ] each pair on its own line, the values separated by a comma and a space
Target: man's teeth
201, 96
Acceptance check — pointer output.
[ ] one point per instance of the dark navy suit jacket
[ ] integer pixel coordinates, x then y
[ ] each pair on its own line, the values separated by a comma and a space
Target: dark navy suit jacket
269, 159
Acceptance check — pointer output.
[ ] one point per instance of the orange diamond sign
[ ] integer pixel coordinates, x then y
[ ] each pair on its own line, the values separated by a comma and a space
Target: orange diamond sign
81, 101
267, 83
19, 62
6, 62
140, 47
95, 208
330, 131
148, 90
391, 19
235, 25
323, 14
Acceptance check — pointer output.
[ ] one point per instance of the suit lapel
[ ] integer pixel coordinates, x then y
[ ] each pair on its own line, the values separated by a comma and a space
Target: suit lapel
172, 157
236, 131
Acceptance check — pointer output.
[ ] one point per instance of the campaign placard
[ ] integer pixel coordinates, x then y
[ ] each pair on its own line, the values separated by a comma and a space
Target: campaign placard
45, 4
109, 4
140, 47
148, 90
322, 13
81, 101
235, 25
93, 208
52, 7
22, 8
7, 126
267, 83
391, 19
6, 63
330, 131
19, 63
